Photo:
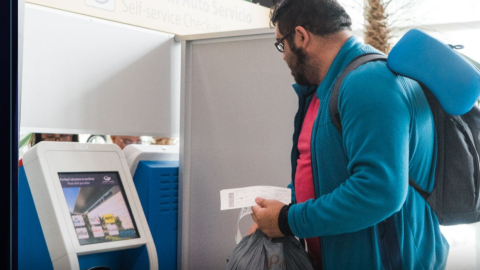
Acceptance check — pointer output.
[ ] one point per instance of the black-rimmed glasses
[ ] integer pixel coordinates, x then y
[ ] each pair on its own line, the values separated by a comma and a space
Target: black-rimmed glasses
279, 44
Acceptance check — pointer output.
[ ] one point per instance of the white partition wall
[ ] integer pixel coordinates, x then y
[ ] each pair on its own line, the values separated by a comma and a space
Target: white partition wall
237, 114
91, 76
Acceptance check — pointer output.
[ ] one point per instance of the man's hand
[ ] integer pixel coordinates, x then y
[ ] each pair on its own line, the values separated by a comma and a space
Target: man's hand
265, 215
252, 229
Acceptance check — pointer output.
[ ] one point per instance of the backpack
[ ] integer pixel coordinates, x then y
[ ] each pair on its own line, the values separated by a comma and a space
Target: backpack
455, 196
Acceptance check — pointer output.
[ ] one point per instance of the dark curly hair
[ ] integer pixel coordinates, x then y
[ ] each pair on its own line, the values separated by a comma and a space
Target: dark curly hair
320, 17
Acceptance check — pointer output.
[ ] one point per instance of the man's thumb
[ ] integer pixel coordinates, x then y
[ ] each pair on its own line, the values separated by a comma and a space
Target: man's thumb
260, 201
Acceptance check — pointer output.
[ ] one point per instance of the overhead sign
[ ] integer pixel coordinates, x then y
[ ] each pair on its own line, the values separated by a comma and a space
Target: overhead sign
180, 17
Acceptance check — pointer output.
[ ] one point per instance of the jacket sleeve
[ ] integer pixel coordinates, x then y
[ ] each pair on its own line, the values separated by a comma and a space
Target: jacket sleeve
376, 117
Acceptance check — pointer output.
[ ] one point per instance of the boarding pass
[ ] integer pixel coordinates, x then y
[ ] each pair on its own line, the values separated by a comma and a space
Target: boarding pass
245, 197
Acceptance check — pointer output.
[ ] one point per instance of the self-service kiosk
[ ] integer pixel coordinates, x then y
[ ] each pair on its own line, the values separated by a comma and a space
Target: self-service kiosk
155, 174
79, 209
136, 153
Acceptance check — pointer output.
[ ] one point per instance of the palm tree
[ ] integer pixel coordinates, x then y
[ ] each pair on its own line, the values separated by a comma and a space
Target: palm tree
377, 28
382, 21
118, 222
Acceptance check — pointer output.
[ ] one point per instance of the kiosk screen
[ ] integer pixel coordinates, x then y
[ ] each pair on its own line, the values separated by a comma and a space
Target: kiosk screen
98, 207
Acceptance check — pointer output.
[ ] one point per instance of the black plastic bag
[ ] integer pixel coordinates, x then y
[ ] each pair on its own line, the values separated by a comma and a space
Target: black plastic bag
258, 251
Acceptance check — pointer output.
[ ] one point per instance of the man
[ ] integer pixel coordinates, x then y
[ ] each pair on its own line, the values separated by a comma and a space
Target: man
38, 137
351, 198
123, 141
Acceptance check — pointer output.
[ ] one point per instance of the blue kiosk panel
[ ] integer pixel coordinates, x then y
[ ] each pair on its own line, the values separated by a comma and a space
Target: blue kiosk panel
157, 187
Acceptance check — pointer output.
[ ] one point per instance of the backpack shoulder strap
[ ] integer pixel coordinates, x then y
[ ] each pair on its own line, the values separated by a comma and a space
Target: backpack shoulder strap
333, 103
385, 231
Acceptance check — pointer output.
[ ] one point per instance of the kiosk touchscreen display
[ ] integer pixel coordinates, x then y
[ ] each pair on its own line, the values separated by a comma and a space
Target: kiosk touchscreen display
98, 207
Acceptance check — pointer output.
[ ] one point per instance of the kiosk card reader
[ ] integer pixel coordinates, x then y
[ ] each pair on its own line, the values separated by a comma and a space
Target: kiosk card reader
88, 207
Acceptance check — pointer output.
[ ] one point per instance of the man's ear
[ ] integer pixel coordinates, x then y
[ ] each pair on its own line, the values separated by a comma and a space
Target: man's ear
302, 37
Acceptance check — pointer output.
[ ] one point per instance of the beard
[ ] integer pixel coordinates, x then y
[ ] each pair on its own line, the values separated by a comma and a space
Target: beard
298, 66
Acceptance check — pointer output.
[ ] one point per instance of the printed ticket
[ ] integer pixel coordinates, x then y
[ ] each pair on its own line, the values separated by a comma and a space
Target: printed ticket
245, 197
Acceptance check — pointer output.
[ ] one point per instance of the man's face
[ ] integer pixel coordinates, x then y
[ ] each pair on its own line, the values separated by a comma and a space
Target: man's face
296, 59
123, 141
57, 137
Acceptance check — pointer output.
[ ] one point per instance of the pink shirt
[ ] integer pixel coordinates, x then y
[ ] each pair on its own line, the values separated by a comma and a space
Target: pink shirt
304, 189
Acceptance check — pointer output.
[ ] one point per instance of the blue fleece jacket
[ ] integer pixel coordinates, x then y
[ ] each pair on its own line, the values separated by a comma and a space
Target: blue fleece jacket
361, 175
